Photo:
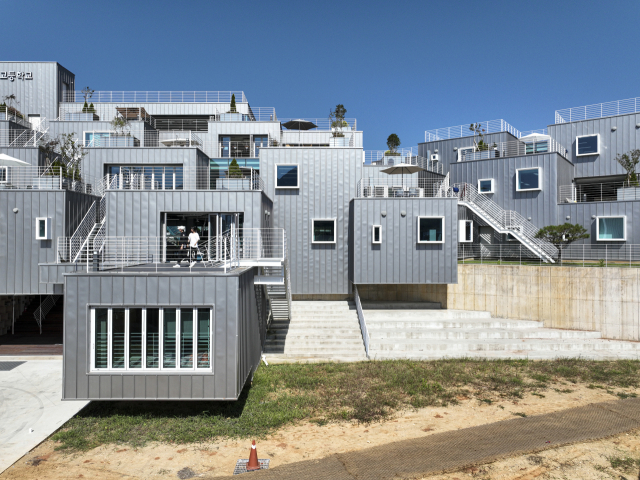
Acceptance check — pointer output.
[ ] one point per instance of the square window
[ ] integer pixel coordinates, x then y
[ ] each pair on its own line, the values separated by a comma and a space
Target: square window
528, 179
43, 228
3, 174
376, 234
324, 230
588, 145
430, 229
485, 185
465, 231
611, 229
287, 176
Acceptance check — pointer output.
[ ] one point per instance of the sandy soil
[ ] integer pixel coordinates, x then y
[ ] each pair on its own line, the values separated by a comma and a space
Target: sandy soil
307, 441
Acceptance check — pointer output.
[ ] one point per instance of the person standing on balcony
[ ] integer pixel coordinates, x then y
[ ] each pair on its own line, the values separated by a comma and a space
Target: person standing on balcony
194, 238
183, 245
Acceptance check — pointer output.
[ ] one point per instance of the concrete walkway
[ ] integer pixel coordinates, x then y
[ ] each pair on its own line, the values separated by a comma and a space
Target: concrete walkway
453, 450
30, 398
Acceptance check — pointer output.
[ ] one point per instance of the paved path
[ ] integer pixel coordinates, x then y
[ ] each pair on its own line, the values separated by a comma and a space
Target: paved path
449, 451
30, 398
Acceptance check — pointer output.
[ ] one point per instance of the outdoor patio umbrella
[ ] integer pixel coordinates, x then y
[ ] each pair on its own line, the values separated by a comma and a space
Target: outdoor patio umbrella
299, 124
401, 169
7, 161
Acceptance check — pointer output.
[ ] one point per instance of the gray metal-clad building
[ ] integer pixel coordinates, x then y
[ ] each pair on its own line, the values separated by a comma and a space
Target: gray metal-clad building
234, 335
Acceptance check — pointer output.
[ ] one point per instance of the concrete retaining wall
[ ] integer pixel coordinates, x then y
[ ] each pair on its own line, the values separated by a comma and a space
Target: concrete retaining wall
581, 298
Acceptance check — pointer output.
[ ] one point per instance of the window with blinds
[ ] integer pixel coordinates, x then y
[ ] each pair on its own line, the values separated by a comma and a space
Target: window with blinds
151, 339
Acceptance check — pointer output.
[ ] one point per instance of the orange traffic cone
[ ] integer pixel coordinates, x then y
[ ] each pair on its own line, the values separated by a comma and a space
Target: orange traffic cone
253, 459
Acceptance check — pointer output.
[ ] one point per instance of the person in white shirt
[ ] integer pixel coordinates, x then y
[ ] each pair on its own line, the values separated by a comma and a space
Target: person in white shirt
194, 238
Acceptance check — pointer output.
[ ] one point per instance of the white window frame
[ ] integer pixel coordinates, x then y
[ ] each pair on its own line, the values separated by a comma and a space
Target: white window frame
624, 229
297, 165
578, 154
460, 150
373, 234
443, 229
518, 189
144, 368
485, 180
335, 230
462, 225
47, 228
6, 174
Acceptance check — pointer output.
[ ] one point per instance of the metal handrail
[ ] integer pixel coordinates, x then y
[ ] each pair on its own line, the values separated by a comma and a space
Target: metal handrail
43, 178
363, 323
598, 110
514, 149
598, 192
155, 97
490, 126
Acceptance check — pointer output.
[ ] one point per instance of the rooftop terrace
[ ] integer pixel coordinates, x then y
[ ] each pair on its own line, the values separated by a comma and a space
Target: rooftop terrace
598, 110
154, 97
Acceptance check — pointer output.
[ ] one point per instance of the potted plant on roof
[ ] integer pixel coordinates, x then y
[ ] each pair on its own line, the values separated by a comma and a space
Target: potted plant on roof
337, 124
393, 142
121, 136
631, 188
232, 115
479, 145
10, 110
67, 164
88, 112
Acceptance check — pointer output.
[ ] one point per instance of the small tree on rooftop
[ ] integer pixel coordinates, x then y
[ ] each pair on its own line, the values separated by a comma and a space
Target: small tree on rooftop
234, 169
393, 142
337, 120
629, 161
121, 125
232, 107
562, 235
87, 93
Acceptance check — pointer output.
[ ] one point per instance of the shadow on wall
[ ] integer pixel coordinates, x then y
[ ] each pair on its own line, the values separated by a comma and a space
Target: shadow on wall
323, 246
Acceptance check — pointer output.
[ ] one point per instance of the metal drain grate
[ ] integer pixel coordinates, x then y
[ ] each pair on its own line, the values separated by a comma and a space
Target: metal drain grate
241, 465
7, 366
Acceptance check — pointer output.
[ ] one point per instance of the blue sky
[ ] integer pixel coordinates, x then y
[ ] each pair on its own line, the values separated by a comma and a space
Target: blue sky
398, 67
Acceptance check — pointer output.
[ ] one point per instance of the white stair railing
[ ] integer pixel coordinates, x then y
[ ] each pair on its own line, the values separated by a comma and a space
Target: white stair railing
505, 221
44, 308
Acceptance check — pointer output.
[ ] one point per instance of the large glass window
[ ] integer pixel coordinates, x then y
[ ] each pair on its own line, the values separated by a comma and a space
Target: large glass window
151, 339
137, 177
485, 185
528, 179
611, 229
324, 230
588, 145
287, 176
430, 229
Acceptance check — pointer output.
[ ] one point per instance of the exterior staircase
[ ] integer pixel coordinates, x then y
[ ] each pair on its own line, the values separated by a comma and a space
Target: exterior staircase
277, 293
316, 331
431, 334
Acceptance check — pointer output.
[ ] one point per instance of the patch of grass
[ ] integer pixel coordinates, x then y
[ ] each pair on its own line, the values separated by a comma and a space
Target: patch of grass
538, 394
488, 401
563, 390
593, 387
624, 395
624, 464
362, 392
519, 414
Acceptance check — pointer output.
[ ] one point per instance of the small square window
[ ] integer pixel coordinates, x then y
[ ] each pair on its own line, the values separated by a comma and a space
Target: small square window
465, 231
611, 229
324, 230
588, 145
485, 185
287, 176
528, 179
43, 228
430, 229
376, 234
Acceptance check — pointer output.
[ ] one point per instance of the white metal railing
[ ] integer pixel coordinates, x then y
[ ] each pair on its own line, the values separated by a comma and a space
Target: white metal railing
363, 323
324, 124
380, 157
539, 131
15, 118
514, 149
598, 192
250, 114
44, 308
490, 126
180, 178
154, 97
104, 139
598, 110
587, 255
80, 237
22, 138
505, 221
44, 178
172, 138
394, 186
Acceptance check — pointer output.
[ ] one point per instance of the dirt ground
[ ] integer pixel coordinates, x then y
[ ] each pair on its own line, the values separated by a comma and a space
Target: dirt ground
309, 441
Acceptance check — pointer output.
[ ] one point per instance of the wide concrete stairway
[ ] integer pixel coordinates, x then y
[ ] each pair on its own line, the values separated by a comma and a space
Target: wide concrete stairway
317, 331
415, 332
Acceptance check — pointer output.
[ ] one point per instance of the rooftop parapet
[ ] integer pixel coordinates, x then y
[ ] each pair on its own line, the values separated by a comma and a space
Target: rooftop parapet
45, 178
598, 110
490, 126
154, 97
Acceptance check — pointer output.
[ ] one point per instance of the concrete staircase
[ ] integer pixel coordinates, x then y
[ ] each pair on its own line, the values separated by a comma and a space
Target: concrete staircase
317, 331
431, 334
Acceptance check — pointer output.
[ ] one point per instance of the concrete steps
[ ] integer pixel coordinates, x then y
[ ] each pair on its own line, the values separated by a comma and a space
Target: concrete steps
433, 334
317, 331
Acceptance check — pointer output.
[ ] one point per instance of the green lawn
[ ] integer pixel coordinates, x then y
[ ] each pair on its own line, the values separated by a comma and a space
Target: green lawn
363, 392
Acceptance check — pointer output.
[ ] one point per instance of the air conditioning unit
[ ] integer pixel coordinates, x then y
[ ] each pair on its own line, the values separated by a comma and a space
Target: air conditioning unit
435, 157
